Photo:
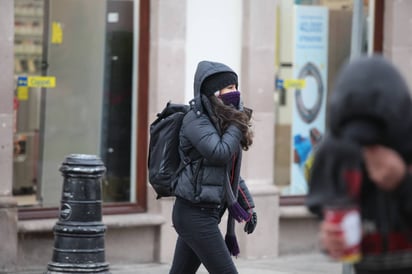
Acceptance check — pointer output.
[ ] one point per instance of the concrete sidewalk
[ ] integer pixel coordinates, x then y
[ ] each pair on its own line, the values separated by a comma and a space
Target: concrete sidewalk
291, 264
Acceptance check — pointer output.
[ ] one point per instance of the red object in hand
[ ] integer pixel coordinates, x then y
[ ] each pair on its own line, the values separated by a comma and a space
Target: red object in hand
348, 218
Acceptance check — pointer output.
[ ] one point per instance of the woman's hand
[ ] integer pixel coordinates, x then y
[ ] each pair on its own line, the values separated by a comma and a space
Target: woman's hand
251, 224
385, 166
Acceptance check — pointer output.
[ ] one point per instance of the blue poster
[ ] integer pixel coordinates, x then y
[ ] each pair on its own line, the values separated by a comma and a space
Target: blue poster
308, 118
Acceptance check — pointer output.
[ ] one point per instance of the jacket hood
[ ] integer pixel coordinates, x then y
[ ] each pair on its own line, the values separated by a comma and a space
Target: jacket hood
205, 69
371, 104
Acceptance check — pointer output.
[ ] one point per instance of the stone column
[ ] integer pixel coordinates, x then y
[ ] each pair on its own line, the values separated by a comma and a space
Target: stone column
257, 86
167, 74
397, 44
8, 206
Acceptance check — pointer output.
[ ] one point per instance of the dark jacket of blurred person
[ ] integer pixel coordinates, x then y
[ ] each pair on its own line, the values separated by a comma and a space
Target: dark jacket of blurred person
370, 130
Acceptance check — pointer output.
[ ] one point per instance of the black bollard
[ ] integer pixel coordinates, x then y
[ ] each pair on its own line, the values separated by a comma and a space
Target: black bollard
79, 232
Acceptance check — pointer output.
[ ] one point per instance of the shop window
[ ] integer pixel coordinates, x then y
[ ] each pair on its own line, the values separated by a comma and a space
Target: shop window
313, 44
76, 67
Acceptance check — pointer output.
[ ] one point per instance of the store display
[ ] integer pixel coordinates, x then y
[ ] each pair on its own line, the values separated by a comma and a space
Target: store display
28, 36
28, 51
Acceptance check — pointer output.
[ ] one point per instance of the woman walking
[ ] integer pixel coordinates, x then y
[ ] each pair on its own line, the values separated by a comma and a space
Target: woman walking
212, 138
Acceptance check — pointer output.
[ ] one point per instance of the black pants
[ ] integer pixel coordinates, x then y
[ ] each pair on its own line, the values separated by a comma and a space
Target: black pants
199, 241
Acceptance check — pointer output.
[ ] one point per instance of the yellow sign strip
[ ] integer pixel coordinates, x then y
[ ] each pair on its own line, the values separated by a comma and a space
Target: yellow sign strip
295, 83
41, 82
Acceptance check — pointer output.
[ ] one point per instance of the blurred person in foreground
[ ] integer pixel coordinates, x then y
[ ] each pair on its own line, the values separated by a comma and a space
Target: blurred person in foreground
366, 160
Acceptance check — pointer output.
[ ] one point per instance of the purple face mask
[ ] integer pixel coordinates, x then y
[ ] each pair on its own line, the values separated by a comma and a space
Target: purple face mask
231, 98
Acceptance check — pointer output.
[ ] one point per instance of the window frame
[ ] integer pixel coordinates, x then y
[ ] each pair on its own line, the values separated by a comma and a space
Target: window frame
299, 200
29, 213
